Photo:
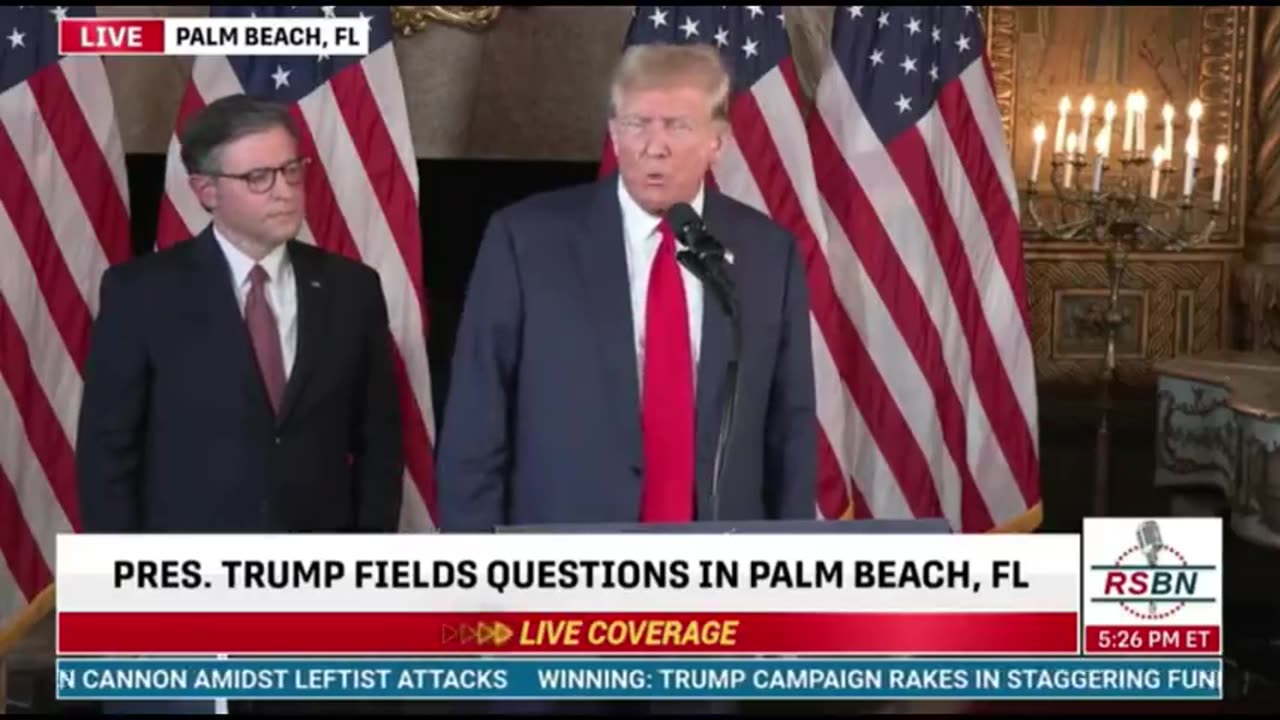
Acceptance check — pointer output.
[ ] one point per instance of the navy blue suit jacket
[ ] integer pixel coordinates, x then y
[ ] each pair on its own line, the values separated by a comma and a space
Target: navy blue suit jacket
177, 434
542, 419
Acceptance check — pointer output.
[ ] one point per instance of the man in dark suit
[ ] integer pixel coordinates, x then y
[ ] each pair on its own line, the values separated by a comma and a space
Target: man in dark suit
241, 381
587, 378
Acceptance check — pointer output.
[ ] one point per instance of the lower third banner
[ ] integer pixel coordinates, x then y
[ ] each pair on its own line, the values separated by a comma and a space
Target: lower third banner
638, 679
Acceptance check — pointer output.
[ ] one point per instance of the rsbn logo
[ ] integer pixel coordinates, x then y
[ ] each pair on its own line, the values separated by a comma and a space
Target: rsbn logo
1152, 580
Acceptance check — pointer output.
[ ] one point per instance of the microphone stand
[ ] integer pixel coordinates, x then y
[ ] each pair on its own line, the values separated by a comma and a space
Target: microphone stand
710, 269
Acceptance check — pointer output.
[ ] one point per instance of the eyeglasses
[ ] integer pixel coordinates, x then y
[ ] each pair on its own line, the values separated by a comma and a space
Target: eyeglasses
261, 180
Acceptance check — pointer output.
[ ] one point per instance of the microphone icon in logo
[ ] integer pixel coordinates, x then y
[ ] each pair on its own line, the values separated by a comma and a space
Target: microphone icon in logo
1150, 544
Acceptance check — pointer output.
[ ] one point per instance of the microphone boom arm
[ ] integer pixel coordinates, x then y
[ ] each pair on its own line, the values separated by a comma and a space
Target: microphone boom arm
710, 269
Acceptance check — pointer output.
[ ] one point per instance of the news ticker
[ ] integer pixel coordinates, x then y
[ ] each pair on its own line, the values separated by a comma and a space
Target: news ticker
639, 679
1125, 586
320, 37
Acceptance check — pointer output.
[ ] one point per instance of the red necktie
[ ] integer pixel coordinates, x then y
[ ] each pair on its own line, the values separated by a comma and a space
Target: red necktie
264, 335
667, 415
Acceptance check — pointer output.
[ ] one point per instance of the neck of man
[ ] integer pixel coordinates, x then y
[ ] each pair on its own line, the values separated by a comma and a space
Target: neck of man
252, 247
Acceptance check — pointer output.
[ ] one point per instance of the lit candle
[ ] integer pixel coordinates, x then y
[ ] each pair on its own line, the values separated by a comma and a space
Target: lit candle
1108, 115
1168, 129
1071, 151
1100, 146
1193, 150
1064, 107
1038, 135
1086, 109
1194, 110
1140, 121
1157, 158
1220, 156
1130, 108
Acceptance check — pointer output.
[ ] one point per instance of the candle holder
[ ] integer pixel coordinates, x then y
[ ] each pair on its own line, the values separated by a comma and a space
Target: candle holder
1124, 207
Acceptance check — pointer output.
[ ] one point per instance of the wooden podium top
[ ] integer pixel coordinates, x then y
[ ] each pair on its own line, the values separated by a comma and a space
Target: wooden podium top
1251, 379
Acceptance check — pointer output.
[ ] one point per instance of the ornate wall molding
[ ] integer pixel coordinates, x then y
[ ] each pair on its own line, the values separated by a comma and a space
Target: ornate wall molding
1001, 23
1264, 221
1176, 307
410, 19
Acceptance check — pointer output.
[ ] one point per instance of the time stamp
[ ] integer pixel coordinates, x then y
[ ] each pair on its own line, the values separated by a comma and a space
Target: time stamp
1138, 639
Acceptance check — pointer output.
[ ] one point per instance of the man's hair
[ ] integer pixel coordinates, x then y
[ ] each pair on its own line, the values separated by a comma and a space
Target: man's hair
658, 65
224, 120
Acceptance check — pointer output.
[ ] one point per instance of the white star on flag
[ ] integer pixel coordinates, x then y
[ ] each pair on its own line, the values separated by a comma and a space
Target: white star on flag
281, 76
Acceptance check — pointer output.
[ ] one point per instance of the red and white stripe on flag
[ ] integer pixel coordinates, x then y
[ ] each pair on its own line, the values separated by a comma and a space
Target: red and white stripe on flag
362, 196
922, 297
64, 219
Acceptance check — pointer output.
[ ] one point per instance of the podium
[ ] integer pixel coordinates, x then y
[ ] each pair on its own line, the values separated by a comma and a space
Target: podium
922, 526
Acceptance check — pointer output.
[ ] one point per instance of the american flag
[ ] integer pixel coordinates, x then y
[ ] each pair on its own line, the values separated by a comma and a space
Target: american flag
915, 275
918, 283
64, 219
765, 163
362, 192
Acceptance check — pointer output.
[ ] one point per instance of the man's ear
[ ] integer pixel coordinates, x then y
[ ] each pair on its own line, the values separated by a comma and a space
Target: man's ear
717, 144
206, 193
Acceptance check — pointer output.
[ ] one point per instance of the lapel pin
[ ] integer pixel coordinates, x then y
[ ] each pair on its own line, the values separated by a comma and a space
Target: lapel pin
315, 283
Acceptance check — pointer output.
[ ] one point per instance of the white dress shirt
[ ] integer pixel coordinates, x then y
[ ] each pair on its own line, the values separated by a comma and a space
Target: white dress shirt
281, 291
640, 229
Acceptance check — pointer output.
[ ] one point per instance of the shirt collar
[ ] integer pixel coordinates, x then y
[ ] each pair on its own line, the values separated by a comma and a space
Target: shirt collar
274, 263
641, 222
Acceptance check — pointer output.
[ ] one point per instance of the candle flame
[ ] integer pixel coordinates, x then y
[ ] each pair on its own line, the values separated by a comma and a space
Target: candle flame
1157, 157
1064, 105
1039, 133
1110, 110
1220, 154
1140, 101
1196, 109
1086, 107
1168, 112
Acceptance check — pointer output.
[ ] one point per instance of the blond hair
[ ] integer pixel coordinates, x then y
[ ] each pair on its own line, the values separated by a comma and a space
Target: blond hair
658, 65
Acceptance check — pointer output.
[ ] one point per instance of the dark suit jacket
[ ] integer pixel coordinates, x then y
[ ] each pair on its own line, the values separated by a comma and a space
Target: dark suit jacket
176, 433
542, 419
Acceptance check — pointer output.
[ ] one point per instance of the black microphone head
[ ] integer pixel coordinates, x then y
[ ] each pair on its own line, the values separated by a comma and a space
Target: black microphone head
684, 222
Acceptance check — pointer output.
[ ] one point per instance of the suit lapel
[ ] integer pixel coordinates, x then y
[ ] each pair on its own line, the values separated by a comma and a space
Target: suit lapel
313, 310
601, 254
713, 362
227, 329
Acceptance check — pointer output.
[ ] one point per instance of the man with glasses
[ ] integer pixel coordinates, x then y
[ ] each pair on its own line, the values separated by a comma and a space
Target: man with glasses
241, 380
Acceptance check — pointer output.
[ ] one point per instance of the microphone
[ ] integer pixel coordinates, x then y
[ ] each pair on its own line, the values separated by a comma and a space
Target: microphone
703, 255
1149, 544
1149, 541
708, 260
693, 234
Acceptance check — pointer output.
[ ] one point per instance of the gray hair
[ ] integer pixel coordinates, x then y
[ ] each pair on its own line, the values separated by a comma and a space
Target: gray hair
649, 66
224, 120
